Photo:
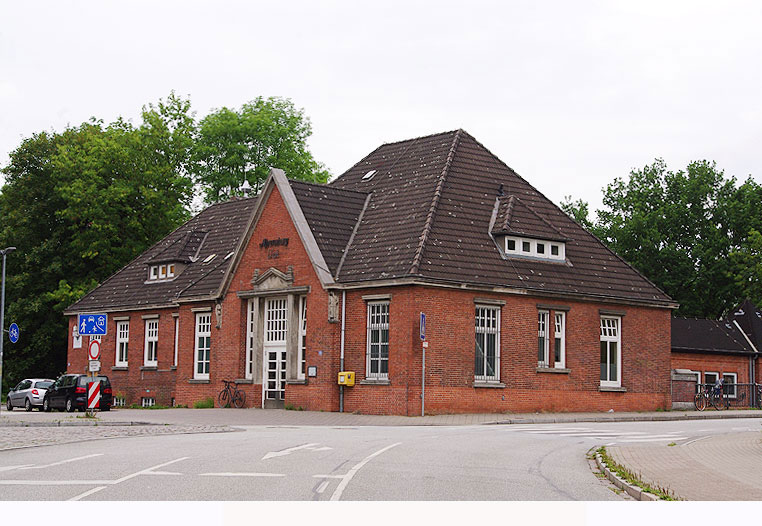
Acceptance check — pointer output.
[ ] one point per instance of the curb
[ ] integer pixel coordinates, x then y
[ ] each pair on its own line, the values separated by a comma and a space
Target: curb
625, 418
633, 491
85, 423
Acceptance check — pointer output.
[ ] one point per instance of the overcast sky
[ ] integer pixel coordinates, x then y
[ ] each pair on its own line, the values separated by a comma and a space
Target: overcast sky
569, 94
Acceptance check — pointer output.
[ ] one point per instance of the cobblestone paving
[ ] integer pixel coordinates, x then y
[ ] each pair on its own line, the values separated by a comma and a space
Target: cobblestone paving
722, 467
13, 437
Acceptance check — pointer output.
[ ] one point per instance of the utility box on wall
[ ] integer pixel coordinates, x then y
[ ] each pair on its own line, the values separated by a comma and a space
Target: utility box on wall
347, 378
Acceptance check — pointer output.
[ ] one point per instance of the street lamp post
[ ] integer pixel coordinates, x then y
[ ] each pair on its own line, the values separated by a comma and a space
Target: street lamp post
2, 316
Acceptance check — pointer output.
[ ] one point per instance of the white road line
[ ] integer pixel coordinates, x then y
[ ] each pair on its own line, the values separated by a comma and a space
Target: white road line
324, 448
596, 435
322, 486
9, 482
162, 473
288, 451
87, 493
64, 461
243, 475
11, 468
694, 440
328, 476
352, 472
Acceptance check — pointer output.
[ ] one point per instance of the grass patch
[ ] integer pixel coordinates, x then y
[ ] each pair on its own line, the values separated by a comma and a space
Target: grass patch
206, 403
291, 407
632, 478
671, 444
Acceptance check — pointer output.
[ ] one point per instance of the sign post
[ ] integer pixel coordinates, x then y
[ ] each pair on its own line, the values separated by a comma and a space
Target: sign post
93, 325
425, 344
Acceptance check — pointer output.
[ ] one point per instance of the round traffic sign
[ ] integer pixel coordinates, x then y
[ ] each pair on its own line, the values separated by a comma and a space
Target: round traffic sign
13, 333
94, 349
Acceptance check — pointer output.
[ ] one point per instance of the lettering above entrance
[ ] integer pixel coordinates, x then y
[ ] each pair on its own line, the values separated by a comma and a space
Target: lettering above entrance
272, 246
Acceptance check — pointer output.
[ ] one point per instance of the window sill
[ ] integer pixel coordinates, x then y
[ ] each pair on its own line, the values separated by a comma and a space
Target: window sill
299, 381
119, 368
198, 381
606, 389
243, 381
173, 368
492, 385
556, 370
149, 368
376, 381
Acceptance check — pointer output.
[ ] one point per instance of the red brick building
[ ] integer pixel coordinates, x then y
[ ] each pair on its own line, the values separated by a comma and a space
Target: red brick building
525, 310
705, 351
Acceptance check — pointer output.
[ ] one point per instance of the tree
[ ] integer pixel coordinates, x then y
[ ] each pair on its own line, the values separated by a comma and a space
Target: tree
679, 228
237, 146
578, 210
79, 205
747, 268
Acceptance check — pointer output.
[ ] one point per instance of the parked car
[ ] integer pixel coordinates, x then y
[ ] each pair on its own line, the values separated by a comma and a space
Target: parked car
69, 392
28, 393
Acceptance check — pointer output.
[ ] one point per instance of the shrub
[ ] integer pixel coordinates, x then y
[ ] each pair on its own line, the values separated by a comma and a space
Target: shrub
206, 403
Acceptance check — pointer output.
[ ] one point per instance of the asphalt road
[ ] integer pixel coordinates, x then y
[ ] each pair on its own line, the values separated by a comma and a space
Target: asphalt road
488, 462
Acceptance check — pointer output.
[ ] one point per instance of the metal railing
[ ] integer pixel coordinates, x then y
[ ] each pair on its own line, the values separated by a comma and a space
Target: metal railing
734, 395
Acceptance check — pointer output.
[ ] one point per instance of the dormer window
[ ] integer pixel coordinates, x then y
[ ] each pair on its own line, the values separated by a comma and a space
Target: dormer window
154, 272
163, 272
534, 248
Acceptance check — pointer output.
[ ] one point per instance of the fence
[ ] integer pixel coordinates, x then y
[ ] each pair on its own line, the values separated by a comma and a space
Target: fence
739, 396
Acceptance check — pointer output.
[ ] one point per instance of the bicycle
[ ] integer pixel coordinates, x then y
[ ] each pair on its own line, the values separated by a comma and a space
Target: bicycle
711, 395
230, 394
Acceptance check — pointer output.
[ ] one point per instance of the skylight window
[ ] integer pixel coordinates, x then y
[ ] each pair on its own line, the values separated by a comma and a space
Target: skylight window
228, 256
368, 176
210, 257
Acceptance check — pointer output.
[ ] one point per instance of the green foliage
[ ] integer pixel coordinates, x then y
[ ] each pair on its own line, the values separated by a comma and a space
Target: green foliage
746, 269
234, 146
578, 210
206, 403
679, 228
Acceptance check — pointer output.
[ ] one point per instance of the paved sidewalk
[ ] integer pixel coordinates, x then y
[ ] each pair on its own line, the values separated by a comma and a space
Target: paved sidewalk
721, 467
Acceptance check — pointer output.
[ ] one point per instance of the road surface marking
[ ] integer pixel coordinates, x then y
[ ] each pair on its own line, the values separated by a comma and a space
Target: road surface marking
11, 468
9, 482
162, 473
328, 476
352, 472
64, 461
87, 493
638, 440
288, 451
243, 475
695, 440
322, 486
324, 448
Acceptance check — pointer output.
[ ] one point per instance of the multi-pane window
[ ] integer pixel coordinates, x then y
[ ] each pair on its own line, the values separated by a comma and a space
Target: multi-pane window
150, 357
251, 328
148, 402
302, 336
377, 364
611, 352
487, 362
203, 345
710, 378
122, 341
729, 381
542, 339
559, 340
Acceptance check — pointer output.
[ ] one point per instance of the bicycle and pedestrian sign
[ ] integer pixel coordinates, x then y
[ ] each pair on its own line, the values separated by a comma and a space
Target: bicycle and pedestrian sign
13, 333
92, 324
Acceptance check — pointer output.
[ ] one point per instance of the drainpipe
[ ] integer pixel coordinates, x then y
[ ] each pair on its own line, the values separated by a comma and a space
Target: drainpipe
341, 363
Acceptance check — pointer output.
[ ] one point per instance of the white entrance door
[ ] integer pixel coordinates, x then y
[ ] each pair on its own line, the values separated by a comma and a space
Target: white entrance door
276, 329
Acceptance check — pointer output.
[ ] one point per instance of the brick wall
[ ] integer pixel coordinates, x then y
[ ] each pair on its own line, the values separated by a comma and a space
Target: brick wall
717, 363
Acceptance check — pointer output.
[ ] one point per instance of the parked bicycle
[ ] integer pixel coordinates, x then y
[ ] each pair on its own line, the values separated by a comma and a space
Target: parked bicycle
711, 395
230, 394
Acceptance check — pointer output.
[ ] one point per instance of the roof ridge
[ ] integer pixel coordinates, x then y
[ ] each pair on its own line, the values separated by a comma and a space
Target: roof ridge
434, 204
538, 216
352, 235
456, 132
327, 186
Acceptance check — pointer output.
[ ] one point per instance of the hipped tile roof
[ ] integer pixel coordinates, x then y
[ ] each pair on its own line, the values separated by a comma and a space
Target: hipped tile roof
697, 334
425, 214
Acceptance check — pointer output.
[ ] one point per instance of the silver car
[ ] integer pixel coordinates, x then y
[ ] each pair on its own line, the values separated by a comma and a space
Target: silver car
28, 393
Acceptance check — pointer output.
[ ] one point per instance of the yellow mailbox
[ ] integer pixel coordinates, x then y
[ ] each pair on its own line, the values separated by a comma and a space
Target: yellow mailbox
347, 378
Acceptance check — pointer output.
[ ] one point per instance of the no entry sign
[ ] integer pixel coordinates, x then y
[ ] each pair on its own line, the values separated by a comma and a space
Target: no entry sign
93, 395
94, 350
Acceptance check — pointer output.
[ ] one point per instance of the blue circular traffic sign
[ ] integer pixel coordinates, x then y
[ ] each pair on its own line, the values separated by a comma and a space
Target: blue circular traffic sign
13, 333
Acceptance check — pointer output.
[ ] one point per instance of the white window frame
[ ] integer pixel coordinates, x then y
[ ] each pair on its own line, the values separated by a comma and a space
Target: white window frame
151, 345
559, 327
533, 252
154, 273
708, 373
543, 338
162, 272
251, 324
302, 337
147, 401
203, 330
487, 323
377, 323
698, 380
726, 385
608, 339
177, 339
170, 270
122, 343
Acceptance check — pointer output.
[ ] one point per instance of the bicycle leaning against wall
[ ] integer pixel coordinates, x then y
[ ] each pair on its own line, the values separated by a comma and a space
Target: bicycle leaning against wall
711, 395
230, 394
